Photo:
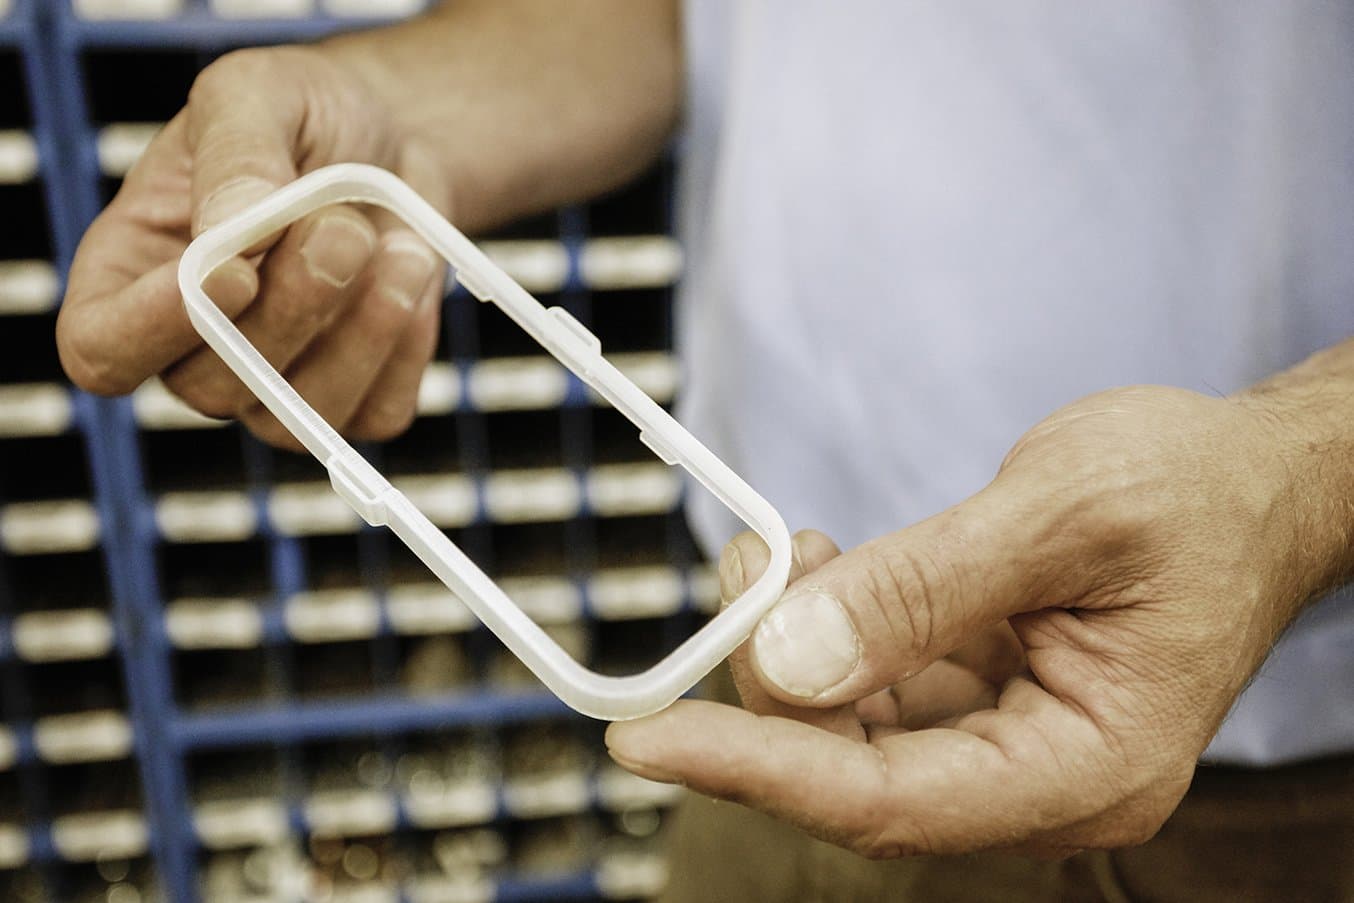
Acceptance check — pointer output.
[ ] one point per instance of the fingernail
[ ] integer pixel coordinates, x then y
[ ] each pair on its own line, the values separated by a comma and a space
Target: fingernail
806, 644
412, 265
337, 249
230, 199
232, 286
730, 573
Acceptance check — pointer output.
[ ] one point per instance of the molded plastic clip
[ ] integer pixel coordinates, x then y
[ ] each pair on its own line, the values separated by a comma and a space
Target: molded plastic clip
365, 491
473, 285
659, 447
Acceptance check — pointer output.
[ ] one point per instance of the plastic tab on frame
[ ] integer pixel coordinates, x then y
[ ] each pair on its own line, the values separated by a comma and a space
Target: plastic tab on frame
379, 503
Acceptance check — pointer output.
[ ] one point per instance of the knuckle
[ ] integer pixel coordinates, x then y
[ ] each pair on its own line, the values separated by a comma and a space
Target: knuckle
1115, 514
390, 315
900, 587
383, 419
304, 316
405, 265
89, 366
226, 75
202, 395
267, 429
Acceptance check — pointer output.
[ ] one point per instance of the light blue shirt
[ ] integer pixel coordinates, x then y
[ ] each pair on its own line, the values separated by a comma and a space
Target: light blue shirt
916, 228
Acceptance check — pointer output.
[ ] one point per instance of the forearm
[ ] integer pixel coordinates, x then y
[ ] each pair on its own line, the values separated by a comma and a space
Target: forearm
528, 104
1310, 409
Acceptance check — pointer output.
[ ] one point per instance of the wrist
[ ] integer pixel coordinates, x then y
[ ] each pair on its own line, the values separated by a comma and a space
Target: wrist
1305, 417
360, 60
404, 71
526, 108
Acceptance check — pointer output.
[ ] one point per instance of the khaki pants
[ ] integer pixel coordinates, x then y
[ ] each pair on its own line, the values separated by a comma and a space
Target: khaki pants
1240, 836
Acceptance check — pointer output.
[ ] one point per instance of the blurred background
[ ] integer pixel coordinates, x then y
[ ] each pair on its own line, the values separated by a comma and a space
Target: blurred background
214, 684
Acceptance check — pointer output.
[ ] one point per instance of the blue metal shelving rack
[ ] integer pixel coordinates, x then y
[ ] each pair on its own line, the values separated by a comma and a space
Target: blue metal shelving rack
211, 586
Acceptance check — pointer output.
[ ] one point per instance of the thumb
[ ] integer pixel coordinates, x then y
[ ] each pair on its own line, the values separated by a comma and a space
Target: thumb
881, 612
242, 130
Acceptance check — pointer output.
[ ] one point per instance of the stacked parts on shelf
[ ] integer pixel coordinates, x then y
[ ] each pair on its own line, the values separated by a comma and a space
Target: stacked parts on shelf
216, 683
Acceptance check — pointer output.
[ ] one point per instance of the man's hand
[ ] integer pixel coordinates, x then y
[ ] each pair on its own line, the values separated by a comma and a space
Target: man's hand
1036, 669
344, 302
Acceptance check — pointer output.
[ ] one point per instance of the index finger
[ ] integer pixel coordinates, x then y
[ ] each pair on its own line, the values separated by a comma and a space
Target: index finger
991, 781
122, 318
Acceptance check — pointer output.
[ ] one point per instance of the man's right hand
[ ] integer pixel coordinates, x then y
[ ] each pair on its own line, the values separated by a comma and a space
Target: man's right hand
345, 302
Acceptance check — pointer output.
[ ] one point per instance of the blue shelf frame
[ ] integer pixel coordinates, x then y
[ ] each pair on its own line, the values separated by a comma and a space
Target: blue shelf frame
27, 31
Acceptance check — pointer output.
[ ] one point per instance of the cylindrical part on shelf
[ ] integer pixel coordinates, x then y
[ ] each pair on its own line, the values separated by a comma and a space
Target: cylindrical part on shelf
646, 261
224, 623
226, 824
440, 391
205, 516
447, 500
538, 265
18, 157
121, 144
546, 600
309, 509
90, 836
34, 528
631, 870
9, 749
350, 813
538, 494
50, 636
451, 806
38, 409
640, 592
517, 383
262, 9
13, 846
83, 737
373, 8
427, 608
655, 372
331, 615
128, 9
617, 490
27, 286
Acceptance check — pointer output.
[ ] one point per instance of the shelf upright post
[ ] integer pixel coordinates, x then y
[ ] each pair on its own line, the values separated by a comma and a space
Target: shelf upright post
119, 485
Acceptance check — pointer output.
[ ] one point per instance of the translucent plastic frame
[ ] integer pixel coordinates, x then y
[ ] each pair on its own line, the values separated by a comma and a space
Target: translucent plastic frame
379, 503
